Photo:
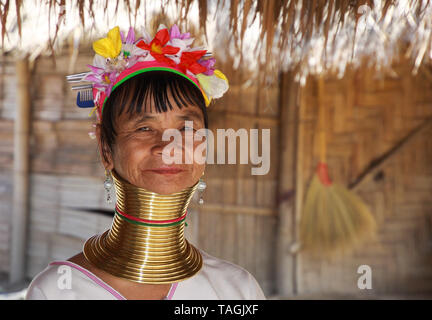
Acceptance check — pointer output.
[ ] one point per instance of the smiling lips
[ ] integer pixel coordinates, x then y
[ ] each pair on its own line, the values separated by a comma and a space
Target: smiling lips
166, 170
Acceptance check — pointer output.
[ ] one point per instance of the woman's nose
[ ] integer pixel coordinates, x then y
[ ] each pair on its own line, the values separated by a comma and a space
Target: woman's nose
159, 145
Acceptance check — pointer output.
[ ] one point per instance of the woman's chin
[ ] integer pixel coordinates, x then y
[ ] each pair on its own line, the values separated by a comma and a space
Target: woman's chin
165, 183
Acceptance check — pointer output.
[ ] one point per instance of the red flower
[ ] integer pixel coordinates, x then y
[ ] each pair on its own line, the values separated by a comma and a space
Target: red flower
188, 61
158, 48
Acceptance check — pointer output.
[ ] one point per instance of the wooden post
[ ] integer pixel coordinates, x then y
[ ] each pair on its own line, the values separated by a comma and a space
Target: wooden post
286, 280
21, 179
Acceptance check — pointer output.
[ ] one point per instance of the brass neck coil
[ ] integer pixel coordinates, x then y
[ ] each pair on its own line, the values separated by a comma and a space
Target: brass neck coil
155, 252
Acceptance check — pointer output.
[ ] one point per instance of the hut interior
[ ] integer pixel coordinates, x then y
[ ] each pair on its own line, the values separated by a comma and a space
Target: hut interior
374, 58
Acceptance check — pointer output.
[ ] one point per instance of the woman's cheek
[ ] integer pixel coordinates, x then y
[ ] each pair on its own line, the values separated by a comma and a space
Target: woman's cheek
188, 154
200, 152
194, 150
128, 154
137, 156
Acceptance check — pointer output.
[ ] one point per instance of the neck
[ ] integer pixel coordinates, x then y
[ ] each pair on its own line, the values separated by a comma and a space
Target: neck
146, 242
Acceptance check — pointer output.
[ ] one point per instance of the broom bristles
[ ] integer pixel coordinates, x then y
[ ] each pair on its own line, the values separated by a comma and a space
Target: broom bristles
334, 220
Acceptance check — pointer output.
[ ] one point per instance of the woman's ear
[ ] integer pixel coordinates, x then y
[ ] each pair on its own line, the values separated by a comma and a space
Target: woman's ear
104, 150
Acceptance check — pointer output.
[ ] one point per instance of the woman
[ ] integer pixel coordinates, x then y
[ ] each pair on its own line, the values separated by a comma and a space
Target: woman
140, 89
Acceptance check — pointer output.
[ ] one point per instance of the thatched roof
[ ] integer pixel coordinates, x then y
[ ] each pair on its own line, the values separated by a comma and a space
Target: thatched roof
306, 35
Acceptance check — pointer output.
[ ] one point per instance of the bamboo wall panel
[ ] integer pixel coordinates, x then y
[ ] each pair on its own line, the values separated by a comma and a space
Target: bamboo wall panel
6, 145
61, 217
64, 147
366, 118
8, 101
6, 193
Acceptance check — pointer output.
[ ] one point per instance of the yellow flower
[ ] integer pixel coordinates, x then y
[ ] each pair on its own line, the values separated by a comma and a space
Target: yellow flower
219, 74
214, 86
110, 46
206, 99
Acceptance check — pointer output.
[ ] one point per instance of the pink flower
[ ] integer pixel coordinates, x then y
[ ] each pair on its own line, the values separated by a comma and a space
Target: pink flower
101, 79
130, 39
175, 33
208, 64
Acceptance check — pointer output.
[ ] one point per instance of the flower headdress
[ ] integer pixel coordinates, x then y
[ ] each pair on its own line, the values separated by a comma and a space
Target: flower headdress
119, 58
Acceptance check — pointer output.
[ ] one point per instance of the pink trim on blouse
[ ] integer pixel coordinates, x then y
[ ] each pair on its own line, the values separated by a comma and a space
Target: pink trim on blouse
103, 284
172, 291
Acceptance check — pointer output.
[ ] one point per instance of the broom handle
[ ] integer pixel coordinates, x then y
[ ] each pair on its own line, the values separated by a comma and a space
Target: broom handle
321, 122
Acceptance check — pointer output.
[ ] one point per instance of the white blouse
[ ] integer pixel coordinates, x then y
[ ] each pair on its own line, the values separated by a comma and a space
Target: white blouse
217, 280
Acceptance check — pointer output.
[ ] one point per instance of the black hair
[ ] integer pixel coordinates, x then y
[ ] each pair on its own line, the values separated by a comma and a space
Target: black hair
131, 95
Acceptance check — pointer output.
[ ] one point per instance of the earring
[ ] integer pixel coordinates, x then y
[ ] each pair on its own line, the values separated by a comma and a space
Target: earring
108, 183
201, 187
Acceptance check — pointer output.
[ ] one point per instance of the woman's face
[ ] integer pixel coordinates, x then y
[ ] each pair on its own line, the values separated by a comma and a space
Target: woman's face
138, 149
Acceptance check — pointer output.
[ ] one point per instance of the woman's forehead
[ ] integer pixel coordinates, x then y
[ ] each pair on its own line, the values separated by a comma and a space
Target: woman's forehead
189, 112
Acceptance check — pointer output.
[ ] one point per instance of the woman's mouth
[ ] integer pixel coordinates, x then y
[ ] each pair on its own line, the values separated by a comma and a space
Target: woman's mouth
166, 170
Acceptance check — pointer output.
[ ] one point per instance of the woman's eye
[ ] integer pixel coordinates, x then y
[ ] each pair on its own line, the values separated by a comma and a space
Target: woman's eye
144, 129
188, 129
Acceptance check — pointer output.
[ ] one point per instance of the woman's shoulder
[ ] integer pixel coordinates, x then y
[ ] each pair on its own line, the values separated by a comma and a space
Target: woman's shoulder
223, 267
65, 280
223, 279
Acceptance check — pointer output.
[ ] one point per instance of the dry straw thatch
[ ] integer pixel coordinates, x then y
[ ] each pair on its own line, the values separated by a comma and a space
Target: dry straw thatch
309, 36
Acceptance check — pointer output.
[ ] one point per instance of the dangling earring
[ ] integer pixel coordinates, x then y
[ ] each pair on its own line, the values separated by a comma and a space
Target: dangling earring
108, 183
201, 187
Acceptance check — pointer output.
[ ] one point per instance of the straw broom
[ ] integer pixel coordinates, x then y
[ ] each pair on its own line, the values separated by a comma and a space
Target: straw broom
333, 219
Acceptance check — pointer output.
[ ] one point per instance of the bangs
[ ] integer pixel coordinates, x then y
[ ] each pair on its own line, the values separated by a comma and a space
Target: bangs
134, 95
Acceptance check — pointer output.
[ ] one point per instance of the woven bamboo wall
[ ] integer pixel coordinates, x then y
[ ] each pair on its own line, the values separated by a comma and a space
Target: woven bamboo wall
366, 118
7, 104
